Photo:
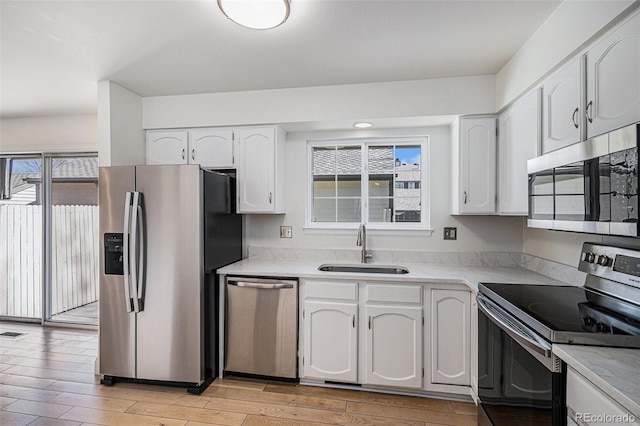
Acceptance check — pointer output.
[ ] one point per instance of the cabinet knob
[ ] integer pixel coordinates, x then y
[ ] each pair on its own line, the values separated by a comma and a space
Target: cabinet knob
574, 117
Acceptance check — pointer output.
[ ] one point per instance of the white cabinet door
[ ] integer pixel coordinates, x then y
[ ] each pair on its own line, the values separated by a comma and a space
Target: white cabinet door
212, 148
260, 170
518, 142
562, 114
450, 337
330, 348
613, 79
586, 399
394, 346
167, 147
475, 166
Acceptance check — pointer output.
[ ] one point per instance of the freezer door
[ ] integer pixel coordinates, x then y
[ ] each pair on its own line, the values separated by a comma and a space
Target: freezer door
117, 326
170, 322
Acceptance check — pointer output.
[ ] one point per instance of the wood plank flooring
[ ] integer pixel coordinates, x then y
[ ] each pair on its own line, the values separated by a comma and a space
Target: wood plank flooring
47, 379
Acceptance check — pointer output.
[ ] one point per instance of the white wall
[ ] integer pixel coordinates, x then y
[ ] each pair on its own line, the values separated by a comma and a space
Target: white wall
567, 31
445, 96
65, 133
474, 233
120, 136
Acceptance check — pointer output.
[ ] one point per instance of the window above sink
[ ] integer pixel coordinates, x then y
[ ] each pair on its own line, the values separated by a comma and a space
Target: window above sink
380, 181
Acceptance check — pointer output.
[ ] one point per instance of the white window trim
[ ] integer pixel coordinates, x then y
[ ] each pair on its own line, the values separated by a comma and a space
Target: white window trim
376, 228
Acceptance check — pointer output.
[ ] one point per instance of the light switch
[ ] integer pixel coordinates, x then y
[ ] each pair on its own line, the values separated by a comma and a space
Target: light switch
450, 233
285, 232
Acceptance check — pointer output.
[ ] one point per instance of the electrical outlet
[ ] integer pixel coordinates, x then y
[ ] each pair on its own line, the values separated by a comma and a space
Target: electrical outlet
285, 232
450, 233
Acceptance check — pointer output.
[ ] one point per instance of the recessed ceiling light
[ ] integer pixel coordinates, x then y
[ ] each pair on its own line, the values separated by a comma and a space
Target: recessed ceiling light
362, 125
256, 14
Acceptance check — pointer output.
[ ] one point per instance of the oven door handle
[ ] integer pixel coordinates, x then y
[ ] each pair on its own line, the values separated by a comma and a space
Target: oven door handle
512, 327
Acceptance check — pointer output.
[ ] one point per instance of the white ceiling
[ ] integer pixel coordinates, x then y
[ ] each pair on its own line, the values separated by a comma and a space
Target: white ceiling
53, 52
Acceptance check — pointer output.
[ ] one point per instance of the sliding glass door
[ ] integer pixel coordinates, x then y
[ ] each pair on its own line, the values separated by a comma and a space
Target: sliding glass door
48, 238
72, 224
21, 237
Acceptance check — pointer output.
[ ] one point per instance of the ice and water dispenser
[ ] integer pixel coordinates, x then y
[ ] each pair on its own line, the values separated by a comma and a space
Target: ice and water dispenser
113, 264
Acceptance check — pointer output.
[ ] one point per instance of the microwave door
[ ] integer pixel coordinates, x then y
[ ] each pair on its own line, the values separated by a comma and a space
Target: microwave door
571, 192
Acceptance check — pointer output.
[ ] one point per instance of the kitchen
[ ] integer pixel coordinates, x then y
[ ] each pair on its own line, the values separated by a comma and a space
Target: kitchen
122, 115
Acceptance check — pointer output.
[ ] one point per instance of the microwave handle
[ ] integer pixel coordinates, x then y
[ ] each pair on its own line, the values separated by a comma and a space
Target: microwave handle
509, 326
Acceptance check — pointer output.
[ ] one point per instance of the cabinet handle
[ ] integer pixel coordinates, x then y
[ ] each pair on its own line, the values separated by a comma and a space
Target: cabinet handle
465, 197
353, 321
369, 323
183, 152
193, 154
574, 117
270, 197
589, 113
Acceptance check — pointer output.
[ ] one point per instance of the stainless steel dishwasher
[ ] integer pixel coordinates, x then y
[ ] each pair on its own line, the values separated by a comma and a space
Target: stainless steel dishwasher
261, 329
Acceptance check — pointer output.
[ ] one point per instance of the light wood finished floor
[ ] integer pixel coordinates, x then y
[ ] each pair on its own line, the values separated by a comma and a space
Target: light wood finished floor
47, 378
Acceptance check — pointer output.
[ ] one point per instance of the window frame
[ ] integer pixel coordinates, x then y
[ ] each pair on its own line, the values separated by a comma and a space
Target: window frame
364, 144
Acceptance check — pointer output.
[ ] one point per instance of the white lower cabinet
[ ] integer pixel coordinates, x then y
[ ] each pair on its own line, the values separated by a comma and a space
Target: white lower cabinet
449, 336
330, 341
394, 346
330, 330
387, 335
588, 405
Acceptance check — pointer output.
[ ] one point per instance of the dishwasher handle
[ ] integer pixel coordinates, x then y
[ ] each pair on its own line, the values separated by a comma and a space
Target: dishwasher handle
263, 284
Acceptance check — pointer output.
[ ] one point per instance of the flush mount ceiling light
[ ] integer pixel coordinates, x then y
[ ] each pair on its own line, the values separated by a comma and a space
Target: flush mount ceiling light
362, 125
256, 14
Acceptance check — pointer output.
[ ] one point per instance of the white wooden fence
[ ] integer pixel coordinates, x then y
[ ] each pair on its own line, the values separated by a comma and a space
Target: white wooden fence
74, 251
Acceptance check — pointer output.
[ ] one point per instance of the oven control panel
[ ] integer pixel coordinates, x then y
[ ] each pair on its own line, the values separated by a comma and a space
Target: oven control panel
613, 263
627, 265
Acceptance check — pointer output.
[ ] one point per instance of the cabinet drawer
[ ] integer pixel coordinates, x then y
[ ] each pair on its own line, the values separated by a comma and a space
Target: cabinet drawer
331, 290
589, 405
394, 293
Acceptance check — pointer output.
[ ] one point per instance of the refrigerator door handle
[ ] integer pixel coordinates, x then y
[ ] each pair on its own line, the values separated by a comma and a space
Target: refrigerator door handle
125, 250
133, 253
141, 256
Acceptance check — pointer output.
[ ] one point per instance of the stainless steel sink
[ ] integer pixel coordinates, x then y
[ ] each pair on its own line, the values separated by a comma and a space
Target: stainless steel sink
363, 268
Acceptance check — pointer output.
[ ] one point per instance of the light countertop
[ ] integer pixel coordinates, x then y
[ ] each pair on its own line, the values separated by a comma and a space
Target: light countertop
418, 272
616, 371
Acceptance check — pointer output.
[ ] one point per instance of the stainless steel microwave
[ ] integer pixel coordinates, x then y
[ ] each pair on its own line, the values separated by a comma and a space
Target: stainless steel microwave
591, 186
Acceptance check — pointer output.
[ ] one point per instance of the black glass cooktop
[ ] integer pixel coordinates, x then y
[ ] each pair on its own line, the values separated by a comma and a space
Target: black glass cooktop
566, 308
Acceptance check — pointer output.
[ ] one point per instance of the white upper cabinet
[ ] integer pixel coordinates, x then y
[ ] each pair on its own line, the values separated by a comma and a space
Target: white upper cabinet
613, 79
211, 148
474, 165
260, 168
563, 115
518, 141
167, 147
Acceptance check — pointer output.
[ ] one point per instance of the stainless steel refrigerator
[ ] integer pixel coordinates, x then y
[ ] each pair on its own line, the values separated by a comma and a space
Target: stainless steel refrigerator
164, 230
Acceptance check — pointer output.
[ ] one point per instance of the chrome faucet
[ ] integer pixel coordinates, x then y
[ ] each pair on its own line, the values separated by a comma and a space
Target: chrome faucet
362, 241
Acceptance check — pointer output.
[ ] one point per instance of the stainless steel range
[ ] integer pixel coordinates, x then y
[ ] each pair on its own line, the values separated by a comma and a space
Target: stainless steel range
519, 377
